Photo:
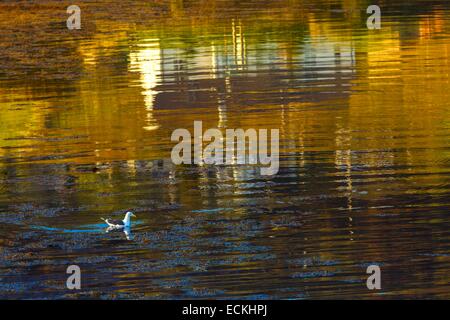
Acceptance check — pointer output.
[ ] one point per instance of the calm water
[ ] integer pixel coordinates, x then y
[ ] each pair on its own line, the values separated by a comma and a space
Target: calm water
85, 124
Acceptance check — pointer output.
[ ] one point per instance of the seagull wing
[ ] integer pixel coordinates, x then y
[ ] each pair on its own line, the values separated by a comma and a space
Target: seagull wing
114, 222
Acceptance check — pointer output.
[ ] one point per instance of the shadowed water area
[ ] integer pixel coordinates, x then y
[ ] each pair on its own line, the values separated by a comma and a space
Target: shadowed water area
85, 123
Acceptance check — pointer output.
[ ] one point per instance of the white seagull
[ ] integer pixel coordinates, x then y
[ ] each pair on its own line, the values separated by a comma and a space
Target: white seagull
120, 224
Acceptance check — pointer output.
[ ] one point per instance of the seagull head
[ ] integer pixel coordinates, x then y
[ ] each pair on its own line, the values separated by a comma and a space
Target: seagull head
127, 219
129, 214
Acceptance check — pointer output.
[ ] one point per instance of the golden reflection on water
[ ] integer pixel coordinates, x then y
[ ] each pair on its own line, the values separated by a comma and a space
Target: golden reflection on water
85, 129
147, 61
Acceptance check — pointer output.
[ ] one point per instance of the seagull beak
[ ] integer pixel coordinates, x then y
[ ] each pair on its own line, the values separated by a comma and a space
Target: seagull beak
133, 215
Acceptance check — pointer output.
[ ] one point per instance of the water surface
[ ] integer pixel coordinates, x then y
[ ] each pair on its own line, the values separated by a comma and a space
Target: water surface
86, 118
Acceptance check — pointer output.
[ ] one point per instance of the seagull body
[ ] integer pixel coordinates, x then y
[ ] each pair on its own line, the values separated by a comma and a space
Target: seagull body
120, 224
